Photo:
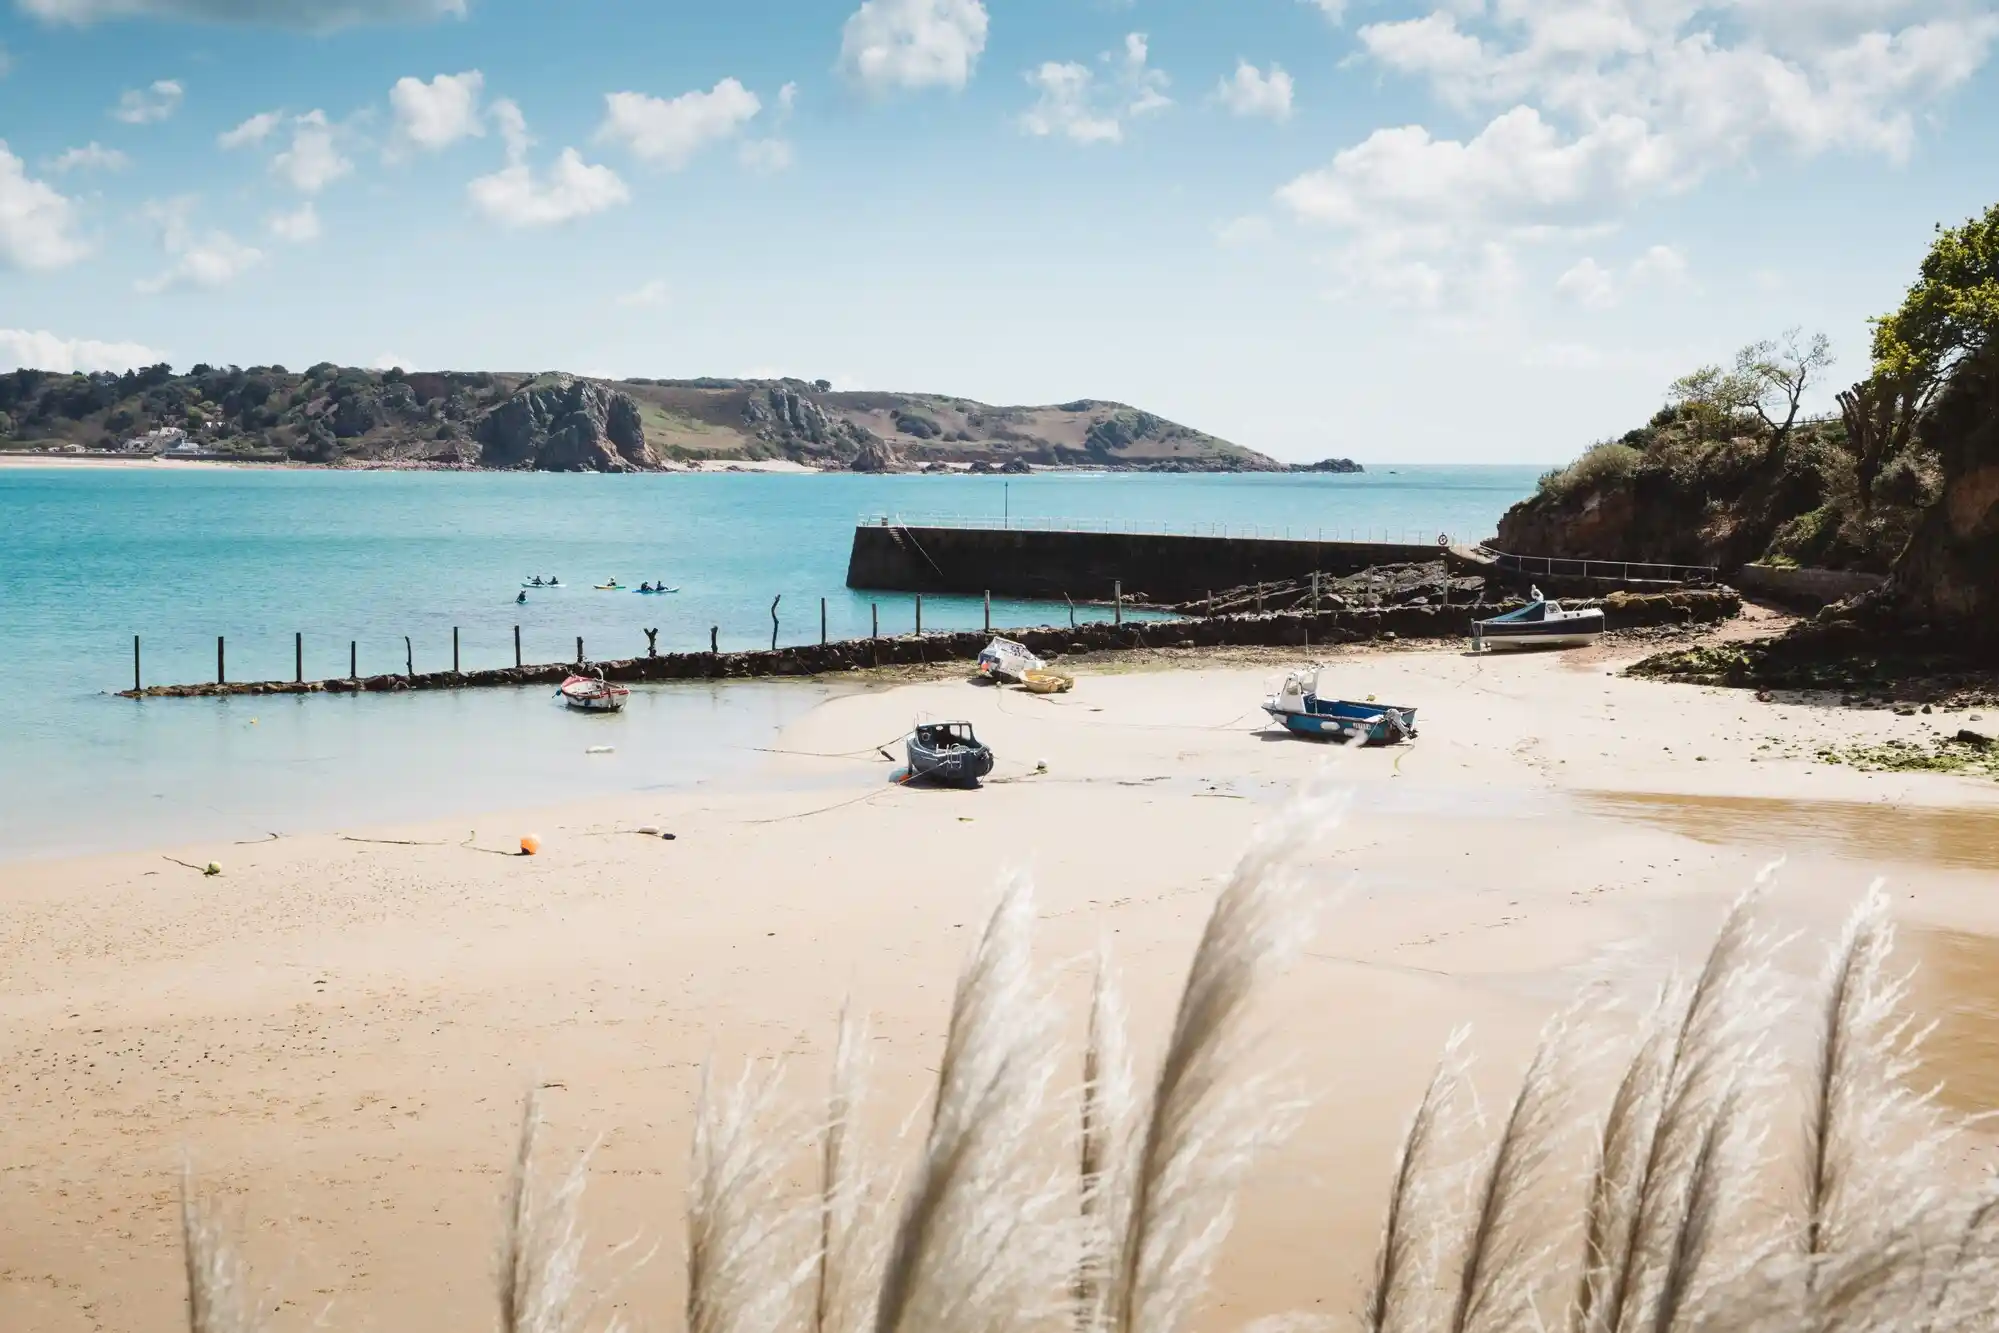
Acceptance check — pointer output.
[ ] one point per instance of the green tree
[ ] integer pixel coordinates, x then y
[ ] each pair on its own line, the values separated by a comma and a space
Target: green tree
1768, 381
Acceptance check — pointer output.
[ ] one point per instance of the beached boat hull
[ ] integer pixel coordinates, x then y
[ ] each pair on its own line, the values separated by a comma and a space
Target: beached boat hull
1005, 660
1339, 719
948, 754
1539, 624
1553, 637
587, 694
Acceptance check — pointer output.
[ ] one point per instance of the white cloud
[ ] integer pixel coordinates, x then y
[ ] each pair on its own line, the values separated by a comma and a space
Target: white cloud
143, 106
252, 131
1594, 107
651, 294
787, 98
439, 113
37, 223
93, 156
1253, 229
209, 259
298, 226
890, 44
1661, 264
390, 361
313, 15
41, 350
513, 197
1332, 9
767, 156
1251, 92
1073, 104
314, 160
672, 132
1589, 284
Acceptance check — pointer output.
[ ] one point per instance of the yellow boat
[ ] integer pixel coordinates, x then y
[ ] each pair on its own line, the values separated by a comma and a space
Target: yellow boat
1037, 681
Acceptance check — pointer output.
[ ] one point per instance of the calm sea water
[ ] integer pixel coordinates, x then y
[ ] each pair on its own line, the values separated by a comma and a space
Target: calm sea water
89, 559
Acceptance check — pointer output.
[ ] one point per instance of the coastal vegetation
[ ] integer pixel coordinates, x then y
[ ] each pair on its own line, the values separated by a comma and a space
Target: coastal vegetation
331, 414
1745, 1152
1730, 469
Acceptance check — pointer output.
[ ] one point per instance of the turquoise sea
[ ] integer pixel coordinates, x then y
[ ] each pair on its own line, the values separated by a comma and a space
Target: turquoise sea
90, 558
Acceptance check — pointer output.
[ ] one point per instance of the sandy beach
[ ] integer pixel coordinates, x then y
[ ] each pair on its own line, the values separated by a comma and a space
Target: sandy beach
338, 1030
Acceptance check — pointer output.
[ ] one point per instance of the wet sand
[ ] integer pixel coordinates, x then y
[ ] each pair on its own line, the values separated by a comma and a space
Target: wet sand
338, 1033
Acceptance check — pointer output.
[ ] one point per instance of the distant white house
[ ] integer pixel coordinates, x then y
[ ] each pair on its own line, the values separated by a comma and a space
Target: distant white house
167, 439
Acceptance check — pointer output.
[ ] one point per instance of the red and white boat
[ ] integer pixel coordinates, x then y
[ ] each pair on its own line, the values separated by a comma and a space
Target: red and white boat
593, 694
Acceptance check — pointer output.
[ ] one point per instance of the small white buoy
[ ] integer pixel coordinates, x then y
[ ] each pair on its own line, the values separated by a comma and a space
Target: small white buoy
602, 749
1041, 765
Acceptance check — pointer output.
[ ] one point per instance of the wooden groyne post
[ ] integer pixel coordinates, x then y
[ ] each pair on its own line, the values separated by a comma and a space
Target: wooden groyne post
713, 630
409, 657
517, 645
298, 657
874, 620
989, 610
1117, 602
353, 660
454, 648
822, 622
773, 620
1072, 609
221, 662
919, 613
580, 659
135, 664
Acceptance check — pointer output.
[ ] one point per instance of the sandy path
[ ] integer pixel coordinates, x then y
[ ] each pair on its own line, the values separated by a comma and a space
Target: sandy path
338, 1033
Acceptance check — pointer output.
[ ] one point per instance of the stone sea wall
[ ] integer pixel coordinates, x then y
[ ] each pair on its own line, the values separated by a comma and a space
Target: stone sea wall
1288, 629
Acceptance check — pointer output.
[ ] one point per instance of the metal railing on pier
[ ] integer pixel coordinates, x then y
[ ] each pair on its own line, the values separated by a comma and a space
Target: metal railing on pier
1629, 571
1404, 536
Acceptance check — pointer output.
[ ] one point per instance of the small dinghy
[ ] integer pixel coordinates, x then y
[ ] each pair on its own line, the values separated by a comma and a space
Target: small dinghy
1539, 624
653, 592
948, 753
593, 694
1300, 708
612, 586
1005, 660
1037, 681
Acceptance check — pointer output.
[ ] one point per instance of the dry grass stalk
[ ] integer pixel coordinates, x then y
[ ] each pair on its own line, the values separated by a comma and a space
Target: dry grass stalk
1496, 1267
744, 1241
844, 1278
1617, 1179
1110, 1108
541, 1246
1406, 1273
219, 1296
980, 1247
1207, 1115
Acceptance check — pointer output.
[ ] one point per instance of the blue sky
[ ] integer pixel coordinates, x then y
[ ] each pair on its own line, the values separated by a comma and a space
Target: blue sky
1450, 230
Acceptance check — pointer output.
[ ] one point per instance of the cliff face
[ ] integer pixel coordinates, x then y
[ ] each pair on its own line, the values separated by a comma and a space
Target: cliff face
1949, 574
567, 425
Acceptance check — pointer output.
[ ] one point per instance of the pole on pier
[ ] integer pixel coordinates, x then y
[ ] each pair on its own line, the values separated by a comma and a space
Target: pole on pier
989, 610
1072, 609
874, 620
135, 664
1315, 592
822, 622
353, 659
773, 620
580, 659
1117, 601
221, 663
409, 657
298, 656
454, 650
517, 645
1259, 598
713, 630
919, 613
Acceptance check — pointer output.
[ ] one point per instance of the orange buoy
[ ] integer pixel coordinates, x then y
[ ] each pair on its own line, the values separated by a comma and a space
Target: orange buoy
530, 845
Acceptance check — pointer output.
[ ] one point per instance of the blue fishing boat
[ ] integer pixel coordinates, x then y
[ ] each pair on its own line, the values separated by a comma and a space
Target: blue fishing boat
1300, 708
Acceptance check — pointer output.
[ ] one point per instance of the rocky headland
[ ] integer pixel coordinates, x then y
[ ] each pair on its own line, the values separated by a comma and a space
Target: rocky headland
556, 422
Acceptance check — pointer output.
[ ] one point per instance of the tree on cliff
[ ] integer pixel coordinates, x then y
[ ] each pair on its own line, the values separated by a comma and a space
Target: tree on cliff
1768, 381
1937, 357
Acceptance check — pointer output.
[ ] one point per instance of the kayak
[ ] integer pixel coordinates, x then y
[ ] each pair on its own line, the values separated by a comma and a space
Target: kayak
653, 592
536, 587
608, 587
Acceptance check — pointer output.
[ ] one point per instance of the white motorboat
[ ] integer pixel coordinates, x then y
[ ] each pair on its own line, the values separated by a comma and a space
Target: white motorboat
1542, 623
593, 694
1005, 660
